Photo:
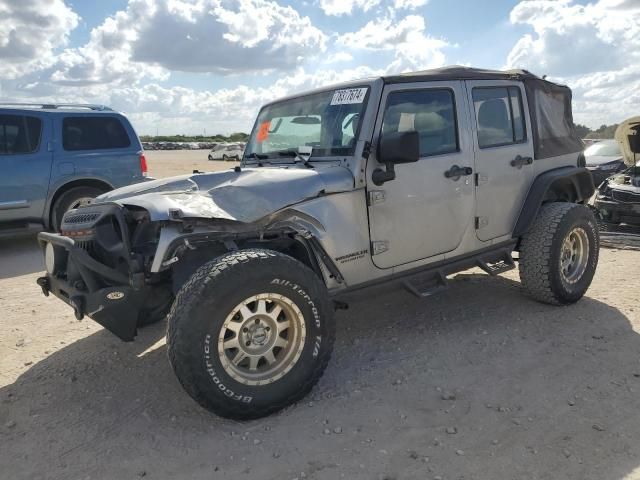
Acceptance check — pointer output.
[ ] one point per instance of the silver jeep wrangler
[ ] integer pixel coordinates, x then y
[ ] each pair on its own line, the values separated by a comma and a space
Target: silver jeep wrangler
401, 179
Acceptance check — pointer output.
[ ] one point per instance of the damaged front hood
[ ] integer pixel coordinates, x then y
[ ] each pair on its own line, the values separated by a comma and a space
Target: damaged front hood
246, 195
629, 180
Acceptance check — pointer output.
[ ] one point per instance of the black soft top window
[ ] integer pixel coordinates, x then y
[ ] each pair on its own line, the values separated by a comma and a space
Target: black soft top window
93, 133
19, 134
554, 133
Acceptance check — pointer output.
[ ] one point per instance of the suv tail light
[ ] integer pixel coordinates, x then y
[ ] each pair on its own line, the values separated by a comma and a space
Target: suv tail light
143, 164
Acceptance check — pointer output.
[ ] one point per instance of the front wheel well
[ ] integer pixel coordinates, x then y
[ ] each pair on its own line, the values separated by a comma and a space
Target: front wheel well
191, 260
296, 248
84, 182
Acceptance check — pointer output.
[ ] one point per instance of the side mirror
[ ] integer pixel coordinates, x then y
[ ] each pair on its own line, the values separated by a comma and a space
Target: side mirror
399, 147
395, 148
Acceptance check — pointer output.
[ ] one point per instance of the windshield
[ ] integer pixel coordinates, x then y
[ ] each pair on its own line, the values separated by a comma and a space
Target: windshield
605, 149
326, 123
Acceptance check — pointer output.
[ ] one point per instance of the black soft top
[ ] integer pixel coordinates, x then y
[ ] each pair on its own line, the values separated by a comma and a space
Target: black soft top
554, 133
457, 72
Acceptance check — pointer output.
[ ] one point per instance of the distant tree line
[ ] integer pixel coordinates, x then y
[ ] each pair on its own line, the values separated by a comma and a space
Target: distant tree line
604, 131
234, 137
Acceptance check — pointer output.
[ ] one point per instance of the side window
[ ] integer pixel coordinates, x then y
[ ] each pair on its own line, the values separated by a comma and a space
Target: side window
93, 133
499, 116
19, 134
430, 112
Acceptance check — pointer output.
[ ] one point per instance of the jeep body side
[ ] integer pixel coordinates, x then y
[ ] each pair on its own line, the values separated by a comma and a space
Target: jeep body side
407, 178
55, 157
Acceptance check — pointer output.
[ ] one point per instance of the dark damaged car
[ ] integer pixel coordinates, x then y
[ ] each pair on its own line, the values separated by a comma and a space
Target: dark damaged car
383, 182
617, 199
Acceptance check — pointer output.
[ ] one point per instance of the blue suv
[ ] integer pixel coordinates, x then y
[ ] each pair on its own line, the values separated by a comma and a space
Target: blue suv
54, 158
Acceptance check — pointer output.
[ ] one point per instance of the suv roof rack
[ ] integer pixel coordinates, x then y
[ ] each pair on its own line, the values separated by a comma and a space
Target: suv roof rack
54, 106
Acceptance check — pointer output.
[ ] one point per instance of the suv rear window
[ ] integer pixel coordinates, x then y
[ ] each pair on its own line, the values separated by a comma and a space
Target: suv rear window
93, 133
499, 116
19, 134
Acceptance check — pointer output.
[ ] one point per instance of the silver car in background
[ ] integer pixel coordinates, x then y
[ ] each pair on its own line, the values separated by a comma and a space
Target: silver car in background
227, 151
604, 159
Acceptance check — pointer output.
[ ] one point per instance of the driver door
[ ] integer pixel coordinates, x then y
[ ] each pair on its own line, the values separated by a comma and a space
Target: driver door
422, 214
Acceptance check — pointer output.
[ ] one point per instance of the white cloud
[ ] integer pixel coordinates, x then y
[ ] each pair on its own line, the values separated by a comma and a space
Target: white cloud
414, 49
152, 37
338, 57
130, 57
595, 48
346, 7
30, 31
409, 4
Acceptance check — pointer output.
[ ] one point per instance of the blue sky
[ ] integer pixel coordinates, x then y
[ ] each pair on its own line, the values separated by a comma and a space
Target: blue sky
183, 66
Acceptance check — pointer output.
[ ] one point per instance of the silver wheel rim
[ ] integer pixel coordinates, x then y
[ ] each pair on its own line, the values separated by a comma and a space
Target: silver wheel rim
261, 339
574, 255
80, 202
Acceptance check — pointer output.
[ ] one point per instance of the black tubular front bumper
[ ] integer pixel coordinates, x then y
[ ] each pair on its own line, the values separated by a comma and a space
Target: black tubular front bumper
91, 288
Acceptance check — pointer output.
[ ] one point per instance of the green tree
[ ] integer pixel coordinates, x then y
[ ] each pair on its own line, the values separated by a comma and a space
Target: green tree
604, 131
582, 130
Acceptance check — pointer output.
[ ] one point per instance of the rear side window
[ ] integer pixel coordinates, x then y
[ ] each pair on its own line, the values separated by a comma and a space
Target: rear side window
19, 134
93, 133
499, 116
429, 112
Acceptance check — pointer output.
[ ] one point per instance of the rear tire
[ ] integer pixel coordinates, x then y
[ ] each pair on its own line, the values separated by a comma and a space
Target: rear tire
559, 253
225, 158
211, 158
250, 333
72, 198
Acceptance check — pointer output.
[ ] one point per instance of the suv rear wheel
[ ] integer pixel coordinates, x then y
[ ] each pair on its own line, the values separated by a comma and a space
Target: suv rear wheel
250, 333
73, 198
559, 254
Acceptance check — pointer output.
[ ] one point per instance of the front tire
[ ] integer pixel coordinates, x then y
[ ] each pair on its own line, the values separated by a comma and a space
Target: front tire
250, 333
559, 254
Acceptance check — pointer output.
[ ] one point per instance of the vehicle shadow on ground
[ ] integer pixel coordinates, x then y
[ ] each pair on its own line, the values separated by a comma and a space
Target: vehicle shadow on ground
20, 256
478, 382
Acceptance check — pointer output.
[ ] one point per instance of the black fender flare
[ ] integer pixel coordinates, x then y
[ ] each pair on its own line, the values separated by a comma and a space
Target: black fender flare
570, 184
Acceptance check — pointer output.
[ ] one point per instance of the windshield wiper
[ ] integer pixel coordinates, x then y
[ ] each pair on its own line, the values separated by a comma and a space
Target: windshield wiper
257, 156
296, 155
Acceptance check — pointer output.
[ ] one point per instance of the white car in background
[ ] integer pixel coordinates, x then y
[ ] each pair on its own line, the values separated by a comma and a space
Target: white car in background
227, 151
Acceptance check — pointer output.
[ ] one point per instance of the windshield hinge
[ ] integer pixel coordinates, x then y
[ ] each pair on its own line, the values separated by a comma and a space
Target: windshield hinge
376, 196
482, 222
366, 150
379, 246
481, 178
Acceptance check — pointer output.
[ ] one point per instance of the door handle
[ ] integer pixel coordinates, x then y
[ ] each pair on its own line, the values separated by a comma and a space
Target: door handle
456, 172
519, 161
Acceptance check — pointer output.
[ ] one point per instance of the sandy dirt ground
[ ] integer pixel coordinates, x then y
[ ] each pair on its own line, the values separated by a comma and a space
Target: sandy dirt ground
165, 163
478, 382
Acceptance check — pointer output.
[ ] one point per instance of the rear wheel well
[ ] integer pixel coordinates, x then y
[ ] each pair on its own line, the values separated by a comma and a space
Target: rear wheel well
561, 190
87, 182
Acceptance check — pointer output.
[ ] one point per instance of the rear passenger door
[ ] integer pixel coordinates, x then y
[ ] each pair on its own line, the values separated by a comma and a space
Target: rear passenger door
100, 146
25, 166
422, 213
503, 154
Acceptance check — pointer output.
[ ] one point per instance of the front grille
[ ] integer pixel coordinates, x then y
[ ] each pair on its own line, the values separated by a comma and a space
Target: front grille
81, 218
626, 197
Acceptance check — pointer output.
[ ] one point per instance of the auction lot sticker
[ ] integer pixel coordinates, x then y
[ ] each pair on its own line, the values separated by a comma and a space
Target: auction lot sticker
348, 96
